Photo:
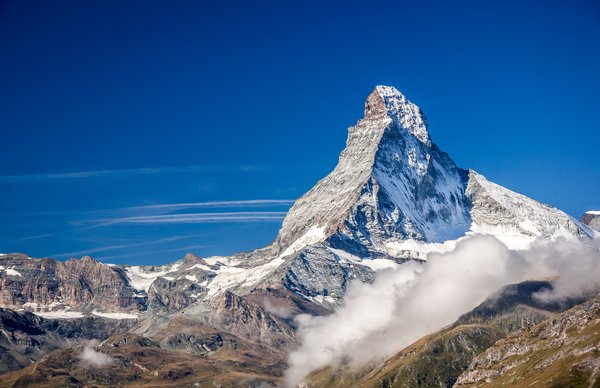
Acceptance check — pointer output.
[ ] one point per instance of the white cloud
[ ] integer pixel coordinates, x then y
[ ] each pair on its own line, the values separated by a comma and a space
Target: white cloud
277, 309
377, 320
90, 357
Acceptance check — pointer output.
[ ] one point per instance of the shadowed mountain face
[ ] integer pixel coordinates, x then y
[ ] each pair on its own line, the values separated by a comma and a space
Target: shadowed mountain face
25, 337
393, 195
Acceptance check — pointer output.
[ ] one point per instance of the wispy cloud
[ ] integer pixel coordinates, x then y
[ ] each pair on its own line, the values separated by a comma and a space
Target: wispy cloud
45, 235
216, 204
155, 214
133, 171
118, 246
197, 218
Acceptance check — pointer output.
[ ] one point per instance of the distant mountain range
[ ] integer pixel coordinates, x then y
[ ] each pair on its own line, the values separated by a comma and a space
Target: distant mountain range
393, 197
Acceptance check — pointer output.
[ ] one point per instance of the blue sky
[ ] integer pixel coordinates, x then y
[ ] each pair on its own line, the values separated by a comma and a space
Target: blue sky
112, 112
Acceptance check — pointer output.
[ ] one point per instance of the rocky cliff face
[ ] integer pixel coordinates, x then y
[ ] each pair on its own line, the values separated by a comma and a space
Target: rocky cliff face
46, 286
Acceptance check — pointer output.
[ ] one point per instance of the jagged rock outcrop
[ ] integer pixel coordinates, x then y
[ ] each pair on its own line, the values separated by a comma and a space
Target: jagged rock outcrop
77, 284
317, 272
170, 296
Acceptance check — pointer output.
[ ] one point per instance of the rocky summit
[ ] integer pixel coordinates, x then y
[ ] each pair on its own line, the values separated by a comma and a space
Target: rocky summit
393, 197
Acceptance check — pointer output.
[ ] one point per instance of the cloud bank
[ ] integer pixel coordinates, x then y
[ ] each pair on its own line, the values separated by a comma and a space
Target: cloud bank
377, 320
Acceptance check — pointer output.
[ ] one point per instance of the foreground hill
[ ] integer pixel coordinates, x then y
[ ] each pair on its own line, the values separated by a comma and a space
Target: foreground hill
560, 352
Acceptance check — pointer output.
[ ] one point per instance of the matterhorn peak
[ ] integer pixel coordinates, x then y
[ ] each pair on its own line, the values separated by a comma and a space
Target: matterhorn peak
393, 184
389, 101
390, 182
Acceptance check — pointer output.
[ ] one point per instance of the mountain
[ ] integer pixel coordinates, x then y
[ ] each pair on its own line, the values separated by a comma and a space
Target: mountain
592, 219
391, 182
393, 196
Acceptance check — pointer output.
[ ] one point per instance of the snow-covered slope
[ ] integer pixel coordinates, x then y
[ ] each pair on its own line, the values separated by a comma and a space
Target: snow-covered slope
515, 219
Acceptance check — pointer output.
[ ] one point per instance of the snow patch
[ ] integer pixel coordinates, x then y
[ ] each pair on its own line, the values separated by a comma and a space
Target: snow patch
64, 314
115, 315
13, 272
229, 277
380, 264
314, 235
395, 248
321, 299
199, 266
374, 264
140, 280
191, 278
